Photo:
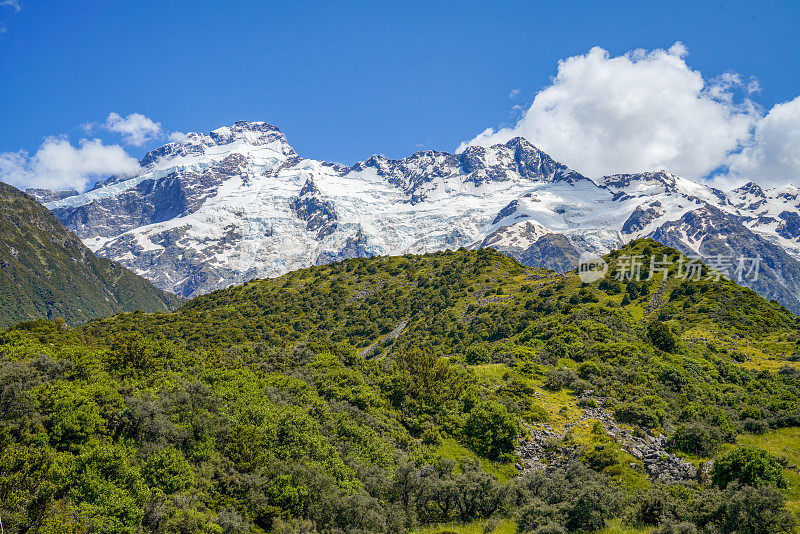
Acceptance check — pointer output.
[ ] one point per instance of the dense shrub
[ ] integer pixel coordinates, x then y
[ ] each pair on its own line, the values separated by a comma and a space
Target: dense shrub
661, 336
635, 413
748, 466
600, 456
281, 406
757, 511
696, 438
559, 378
491, 431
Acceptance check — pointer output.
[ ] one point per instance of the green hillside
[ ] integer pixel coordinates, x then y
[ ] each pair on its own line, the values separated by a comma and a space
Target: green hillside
46, 272
394, 394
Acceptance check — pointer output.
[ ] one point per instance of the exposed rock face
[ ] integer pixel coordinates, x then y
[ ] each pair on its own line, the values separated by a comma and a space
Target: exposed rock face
425, 174
354, 246
659, 463
641, 217
220, 208
545, 448
551, 251
319, 214
790, 227
151, 200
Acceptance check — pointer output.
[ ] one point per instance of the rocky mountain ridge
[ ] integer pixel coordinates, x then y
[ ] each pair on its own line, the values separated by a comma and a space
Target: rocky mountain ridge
217, 209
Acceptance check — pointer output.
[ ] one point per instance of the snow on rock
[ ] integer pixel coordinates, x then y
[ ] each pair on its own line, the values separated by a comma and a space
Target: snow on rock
238, 203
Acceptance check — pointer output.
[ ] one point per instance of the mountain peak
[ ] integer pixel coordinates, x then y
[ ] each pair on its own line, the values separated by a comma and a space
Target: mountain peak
626, 180
257, 134
750, 188
219, 208
248, 131
522, 143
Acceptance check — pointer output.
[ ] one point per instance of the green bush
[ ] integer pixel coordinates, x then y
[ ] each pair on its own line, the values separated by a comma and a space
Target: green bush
638, 414
559, 378
600, 456
757, 511
491, 431
696, 438
588, 369
661, 336
168, 470
749, 466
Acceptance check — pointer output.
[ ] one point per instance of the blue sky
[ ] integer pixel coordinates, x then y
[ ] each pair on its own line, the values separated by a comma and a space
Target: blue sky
344, 79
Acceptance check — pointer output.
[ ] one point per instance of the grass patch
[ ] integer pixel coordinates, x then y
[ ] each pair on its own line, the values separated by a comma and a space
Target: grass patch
507, 526
616, 527
450, 449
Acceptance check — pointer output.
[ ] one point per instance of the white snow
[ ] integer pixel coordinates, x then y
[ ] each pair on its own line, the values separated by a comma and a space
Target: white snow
249, 229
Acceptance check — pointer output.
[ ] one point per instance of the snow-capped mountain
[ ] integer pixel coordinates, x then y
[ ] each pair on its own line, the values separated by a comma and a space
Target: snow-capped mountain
239, 203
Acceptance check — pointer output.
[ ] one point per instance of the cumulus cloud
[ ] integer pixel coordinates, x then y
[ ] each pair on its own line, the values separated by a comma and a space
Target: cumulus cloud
514, 93
644, 110
136, 129
58, 164
772, 154
177, 137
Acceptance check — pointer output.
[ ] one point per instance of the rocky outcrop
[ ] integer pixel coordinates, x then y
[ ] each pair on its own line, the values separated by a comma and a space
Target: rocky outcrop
318, 213
641, 217
545, 449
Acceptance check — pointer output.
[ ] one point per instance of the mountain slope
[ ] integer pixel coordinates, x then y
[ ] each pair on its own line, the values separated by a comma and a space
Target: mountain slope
240, 203
379, 394
445, 298
45, 271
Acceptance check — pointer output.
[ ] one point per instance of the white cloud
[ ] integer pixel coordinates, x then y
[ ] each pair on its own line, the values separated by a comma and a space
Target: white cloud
514, 93
57, 164
644, 110
772, 156
177, 137
13, 4
753, 86
136, 129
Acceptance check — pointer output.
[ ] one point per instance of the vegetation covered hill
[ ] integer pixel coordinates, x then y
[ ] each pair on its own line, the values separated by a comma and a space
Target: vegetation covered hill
383, 394
45, 271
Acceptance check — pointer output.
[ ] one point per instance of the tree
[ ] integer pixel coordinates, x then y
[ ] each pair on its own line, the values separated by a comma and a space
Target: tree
491, 431
477, 493
661, 336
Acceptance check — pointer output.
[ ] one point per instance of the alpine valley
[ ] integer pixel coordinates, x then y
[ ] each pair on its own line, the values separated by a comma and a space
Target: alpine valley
240, 203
